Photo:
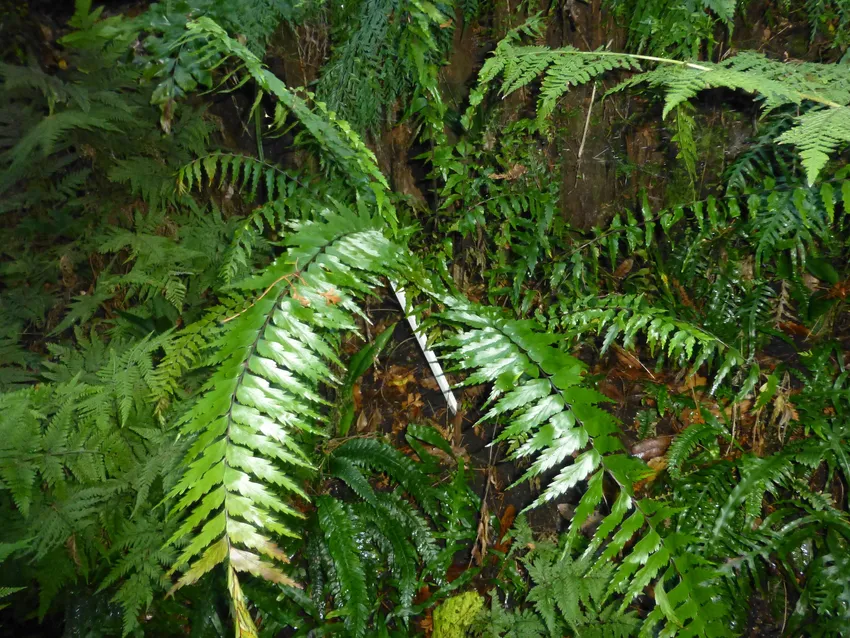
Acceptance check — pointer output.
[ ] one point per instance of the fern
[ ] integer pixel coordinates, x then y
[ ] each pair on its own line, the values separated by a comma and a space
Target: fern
285, 198
553, 418
348, 568
676, 28
819, 134
392, 47
260, 397
623, 317
686, 442
375, 455
333, 135
373, 544
776, 83
567, 593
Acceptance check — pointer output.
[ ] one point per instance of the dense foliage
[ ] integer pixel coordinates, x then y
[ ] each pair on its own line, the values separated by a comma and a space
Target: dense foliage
201, 217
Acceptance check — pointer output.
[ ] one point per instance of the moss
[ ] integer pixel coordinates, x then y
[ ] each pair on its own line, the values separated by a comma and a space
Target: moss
454, 617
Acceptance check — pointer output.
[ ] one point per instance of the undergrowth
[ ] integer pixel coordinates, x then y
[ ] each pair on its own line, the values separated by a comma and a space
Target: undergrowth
178, 448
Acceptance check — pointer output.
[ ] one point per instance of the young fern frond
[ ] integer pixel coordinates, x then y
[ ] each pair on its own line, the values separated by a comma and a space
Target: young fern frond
686, 442
375, 455
349, 576
271, 361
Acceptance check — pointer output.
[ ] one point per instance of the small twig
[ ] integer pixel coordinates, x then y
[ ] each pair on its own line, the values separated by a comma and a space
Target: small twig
586, 124
265, 292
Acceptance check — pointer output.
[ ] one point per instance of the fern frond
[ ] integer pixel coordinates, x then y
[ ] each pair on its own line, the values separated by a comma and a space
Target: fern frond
271, 361
758, 477
376, 455
687, 441
401, 555
350, 579
551, 417
817, 135
334, 135
623, 317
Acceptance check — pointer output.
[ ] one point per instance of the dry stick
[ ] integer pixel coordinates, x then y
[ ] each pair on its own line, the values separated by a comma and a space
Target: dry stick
430, 357
265, 292
586, 123
584, 135
483, 512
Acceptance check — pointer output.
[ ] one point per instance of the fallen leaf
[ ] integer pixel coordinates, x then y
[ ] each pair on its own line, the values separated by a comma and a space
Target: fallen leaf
794, 329
506, 521
652, 448
398, 377
331, 296
362, 422
429, 383
516, 171
624, 268
357, 395
692, 382
302, 300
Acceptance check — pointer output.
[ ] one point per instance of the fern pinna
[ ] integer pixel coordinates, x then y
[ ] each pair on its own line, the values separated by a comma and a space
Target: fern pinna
270, 365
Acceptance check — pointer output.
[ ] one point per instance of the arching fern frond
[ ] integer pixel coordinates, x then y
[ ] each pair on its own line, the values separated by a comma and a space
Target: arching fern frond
817, 135
243, 172
553, 418
623, 317
270, 362
538, 388
335, 136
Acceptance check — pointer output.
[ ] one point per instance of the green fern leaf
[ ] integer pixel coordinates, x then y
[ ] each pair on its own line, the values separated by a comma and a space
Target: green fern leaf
817, 134
379, 456
348, 568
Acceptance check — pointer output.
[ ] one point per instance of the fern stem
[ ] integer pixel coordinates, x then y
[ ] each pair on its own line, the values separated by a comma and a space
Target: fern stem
690, 65
636, 56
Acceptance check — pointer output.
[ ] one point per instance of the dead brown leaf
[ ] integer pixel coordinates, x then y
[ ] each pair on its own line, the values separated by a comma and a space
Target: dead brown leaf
302, 300
482, 537
692, 382
516, 171
624, 268
398, 377
331, 296
429, 383
652, 448
362, 422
